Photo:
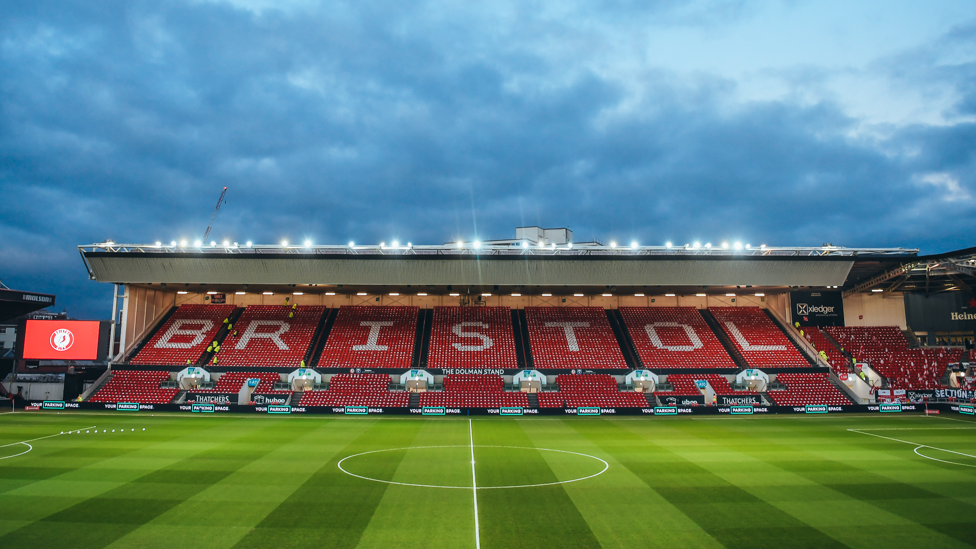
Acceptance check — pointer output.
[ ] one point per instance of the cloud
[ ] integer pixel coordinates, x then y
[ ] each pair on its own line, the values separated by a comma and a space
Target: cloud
429, 122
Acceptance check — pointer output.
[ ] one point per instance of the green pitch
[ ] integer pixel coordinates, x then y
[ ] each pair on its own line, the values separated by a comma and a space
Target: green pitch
275, 482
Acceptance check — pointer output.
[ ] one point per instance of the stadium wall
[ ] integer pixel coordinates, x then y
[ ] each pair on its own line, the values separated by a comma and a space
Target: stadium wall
875, 309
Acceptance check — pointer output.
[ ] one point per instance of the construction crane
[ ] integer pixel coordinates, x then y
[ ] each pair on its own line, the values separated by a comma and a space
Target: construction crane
214, 216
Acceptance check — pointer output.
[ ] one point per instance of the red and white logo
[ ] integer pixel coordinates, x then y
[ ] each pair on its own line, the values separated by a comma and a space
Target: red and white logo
62, 339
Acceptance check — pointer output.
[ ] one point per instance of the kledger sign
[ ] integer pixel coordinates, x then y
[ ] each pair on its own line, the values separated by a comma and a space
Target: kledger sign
817, 308
61, 340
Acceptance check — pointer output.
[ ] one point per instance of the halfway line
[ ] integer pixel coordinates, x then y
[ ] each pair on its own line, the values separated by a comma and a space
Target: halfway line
474, 490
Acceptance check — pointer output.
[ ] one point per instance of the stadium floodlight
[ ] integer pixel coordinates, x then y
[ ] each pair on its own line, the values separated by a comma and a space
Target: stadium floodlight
211, 293
485, 295
352, 244
738, 245
607, 295
422, 294
708, 246
569, 245
182, 243
455, 295
158, 244
268, 293
638, 295
394, 294
235, 245
226, 243
516, 295
553, 245
725, 245
248, 244
213, 243
762, 246
760, 295
876, 290
409, 245
284, 243
699, 295
696, 245
240, 293
748, 246
361, 293
546, 295
525, 244
477, 245
396, 243
729, 295
668, 295
329, 293
308, 243
297, 293
460, 243
633, 245
613, 244
197, 243
173, 243
182, 292
577, 295
542, 244
667, 245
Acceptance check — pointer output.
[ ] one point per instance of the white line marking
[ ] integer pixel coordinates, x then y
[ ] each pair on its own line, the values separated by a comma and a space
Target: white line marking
605, 467
29, 447
474, 490
917, 446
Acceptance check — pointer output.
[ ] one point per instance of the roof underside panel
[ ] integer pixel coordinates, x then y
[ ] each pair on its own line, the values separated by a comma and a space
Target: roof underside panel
170, 268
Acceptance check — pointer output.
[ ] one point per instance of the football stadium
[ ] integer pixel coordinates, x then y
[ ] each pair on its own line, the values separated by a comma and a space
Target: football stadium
528, 392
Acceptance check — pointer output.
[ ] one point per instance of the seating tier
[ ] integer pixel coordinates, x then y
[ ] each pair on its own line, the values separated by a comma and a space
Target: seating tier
357, 390
135, 386
472, 337
270, 336
886, 349
760, 342
674, 337
474, 391
572, 337
184, 336
805, 389
590, 390
371, 337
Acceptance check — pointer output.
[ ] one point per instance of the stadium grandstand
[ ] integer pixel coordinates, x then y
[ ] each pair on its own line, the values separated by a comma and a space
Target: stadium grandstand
537, 323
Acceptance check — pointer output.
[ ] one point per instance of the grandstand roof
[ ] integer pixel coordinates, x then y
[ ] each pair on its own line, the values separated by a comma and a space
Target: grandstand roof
487, 266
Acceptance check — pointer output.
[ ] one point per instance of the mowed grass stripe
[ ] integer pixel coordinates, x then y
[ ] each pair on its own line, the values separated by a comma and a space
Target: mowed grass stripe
731, 515
420, 518
542, 516
98, 521
332, 509
761, 448
241, 500
617, 505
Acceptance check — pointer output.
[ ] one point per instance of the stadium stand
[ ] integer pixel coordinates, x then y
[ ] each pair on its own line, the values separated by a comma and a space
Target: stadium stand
474, 391
135, 386
674, 337
886, 349
804, 389
184, 336
759, 341
267, 337
838, 362
371, 337
590, 390
231, 382
718, 383
357, 390
472, 337
572, 337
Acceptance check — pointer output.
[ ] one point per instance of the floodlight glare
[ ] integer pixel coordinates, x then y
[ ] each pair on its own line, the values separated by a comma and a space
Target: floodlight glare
546, 295
213, 243
182, 243
226, 243
668, 295
738, 245
248, 244
699, 295
708, 246
613, 244
525, 244
667, 245
173, 243
633, 245
297, 293
695, 246
308, 243
638, 295
477, 245
284, 243
197, 243
725, 245
396, 243
240, 293
352, 244
158, 244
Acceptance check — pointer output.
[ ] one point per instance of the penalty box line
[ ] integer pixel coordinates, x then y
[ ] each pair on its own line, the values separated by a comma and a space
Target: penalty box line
917, 446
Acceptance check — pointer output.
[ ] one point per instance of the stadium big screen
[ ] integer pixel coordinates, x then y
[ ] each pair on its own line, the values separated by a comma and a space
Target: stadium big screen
62, 340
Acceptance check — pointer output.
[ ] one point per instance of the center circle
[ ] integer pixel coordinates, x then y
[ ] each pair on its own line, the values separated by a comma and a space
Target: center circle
456, 462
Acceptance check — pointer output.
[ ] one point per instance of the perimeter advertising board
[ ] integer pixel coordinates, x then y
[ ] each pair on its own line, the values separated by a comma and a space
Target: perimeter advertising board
817, 308
942, 312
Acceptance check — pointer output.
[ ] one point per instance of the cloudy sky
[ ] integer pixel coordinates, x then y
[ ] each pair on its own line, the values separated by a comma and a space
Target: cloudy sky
787, 122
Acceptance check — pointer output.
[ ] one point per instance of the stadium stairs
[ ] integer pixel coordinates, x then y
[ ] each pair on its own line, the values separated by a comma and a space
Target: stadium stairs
321, 335
913, 341
206, 357
149, 334
627, 347
791, 337
533, 400
95, 387
418, 339
723, 338
414, 400
520, 329
426, 319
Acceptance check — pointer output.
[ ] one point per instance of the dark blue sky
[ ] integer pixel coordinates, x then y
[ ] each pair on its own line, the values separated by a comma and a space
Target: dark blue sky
786, 123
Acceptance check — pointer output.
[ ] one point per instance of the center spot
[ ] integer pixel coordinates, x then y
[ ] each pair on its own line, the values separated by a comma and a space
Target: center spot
450, 466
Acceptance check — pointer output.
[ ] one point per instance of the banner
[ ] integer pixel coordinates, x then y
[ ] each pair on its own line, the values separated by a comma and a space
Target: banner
738, 400
262, 400
919, 395
817, 308
682, 400
959, 394
219, 399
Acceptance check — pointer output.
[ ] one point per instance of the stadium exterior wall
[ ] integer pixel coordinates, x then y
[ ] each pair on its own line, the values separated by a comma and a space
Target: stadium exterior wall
875, 309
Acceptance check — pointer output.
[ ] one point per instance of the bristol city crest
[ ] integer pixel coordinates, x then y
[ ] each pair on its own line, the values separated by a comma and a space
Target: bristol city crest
62, 339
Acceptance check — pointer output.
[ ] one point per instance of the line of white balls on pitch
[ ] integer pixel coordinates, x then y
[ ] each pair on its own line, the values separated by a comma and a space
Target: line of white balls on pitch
96, 431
